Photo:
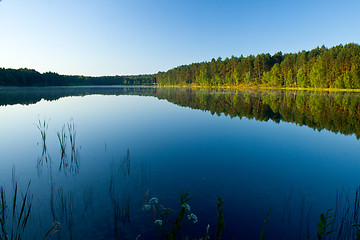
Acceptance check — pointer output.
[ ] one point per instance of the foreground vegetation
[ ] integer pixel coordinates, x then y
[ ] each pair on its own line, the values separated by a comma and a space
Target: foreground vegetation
339, 223
16, 209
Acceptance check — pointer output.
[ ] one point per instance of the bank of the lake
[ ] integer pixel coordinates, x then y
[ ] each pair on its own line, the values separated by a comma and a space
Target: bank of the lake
243, 87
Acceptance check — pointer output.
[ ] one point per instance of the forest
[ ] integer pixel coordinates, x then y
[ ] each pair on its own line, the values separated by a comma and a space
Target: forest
337, 67
30, 77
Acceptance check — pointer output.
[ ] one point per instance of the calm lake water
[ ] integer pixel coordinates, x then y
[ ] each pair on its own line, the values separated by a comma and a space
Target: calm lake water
295, 153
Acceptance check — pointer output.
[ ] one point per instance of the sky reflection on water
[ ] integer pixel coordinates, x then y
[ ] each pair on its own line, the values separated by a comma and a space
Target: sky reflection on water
252, 165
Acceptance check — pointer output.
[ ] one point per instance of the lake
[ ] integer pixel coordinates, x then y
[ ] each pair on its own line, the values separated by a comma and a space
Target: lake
104, 149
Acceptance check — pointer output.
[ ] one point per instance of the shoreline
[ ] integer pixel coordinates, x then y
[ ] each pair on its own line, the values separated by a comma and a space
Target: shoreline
246, 87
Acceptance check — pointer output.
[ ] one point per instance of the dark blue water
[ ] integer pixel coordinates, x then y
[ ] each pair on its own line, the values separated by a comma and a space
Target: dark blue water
252, 165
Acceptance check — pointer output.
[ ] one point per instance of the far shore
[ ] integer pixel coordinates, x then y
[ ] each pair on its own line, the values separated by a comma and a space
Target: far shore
249, 87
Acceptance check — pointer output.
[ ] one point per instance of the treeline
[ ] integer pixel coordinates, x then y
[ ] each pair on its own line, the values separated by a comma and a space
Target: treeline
338, 113
29, 77
337, 67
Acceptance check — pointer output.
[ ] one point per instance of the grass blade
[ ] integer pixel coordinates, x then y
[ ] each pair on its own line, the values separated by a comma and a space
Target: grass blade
54, 229
266, 221
14, 203
22, 209
3, 204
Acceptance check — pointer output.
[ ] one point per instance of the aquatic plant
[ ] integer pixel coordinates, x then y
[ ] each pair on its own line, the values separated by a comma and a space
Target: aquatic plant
125, 164
67, 210
220, 221
357, 226
347, 214
266, 221
62, 137
164, 218
326, 221
43, 127
121, 190
54, 229
342, 222
14, 218
72, 134
74, 159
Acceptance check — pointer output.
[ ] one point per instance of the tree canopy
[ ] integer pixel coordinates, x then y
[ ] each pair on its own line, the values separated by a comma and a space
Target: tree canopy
337, 67
30, 77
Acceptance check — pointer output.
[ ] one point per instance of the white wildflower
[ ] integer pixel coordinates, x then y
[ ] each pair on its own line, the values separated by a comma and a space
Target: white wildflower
207, 228
146, 207
158, 222
154, 200
193, 217
186, 206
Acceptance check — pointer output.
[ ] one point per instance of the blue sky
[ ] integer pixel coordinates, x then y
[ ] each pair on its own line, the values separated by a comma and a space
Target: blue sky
119, 37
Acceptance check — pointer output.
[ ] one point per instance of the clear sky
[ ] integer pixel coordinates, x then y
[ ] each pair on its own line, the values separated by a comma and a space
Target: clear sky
120, 37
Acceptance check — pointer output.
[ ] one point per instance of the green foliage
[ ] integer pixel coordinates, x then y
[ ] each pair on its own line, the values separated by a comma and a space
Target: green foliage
167, 223
203, 78
337, 67
289, 78
355, 76
326, 221
301, 78
170, 225
339, 83
29, 77
317, 74
347, 80
266, 79
275, 79
247, 78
